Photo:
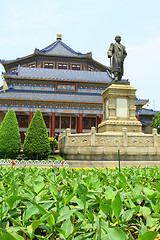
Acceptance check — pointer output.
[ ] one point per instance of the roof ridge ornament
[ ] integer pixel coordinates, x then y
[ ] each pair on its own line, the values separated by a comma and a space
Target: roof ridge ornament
59, 36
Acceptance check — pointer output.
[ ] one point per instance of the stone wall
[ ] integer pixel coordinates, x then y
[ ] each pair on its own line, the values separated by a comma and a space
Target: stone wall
104, 146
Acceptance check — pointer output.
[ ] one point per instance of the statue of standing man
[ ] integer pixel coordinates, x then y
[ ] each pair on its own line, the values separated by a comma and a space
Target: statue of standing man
118, 53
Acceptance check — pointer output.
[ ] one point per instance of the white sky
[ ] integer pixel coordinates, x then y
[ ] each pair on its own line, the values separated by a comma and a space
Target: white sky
89, 25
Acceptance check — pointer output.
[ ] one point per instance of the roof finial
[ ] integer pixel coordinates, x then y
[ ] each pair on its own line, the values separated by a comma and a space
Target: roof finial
59, 36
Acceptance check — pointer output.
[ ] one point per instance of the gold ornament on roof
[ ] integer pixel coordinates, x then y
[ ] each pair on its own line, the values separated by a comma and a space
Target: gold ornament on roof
59, 36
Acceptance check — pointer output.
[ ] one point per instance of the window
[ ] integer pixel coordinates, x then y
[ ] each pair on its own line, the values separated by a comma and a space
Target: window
65, 122
46, 120
32, 65
73, 123
13, 70
90, 69
75, 67
89, 122
48, 65
57, 122
62, 66
22, 120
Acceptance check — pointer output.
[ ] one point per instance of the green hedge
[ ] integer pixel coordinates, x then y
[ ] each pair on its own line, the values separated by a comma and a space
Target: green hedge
53, 144
36, 144
10, 140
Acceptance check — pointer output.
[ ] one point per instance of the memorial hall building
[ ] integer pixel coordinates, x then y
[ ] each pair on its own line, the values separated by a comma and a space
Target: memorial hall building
64, 84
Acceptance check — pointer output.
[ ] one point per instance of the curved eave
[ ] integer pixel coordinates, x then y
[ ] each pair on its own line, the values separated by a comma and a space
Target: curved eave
37, 100
7, 62
51, 79
142, 103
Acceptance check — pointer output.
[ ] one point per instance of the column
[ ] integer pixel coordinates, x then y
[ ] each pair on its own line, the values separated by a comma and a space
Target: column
30, 117
79, 124
53, 124
101, 117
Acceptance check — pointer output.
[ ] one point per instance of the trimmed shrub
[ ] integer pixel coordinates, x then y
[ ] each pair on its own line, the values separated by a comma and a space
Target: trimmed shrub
156, 122
36, 143
10, 140
53, 144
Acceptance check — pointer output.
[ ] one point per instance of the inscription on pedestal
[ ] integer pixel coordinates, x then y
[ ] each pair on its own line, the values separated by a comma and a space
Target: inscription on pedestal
122, 108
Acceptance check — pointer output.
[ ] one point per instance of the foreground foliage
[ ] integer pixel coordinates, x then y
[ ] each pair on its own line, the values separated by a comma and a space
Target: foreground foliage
66, 203
10, 140
156, 122
36, 143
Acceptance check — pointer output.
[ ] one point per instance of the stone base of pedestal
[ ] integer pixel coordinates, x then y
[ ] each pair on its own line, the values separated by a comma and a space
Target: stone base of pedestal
119, 109
117, 126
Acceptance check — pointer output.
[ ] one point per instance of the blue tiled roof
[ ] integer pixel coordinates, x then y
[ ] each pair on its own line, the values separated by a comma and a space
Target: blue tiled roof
54, 96
38, 94
145, 111
141, 101
58, 74
60, 48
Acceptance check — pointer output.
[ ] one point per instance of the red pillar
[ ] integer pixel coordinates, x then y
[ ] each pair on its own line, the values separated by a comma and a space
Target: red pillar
30, 117
101, 118
79, 123
137, 116
53, 124
98, 121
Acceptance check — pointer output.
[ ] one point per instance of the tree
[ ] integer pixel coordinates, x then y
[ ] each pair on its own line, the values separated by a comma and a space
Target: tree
156, 122
10, 140
36, 143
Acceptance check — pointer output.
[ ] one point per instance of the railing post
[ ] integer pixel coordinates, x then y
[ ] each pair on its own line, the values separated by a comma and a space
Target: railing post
155, 137
93, 136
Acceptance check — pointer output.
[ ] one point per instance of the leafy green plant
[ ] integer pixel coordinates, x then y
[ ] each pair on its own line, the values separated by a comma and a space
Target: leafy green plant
10, 140
53, 144
36, 144
70, 203
156, 122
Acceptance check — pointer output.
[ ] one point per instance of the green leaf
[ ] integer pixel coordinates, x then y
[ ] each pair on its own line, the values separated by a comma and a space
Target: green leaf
151, 221
12, 201
137, 190
145, 211
35, 224
50, 219
116, 234
29, 213
128, 214
7, 236
18, 237
38, 187
117, 206
65, 215
148, 236
82, 189
122, 178
67, 227
109, 194
106, 208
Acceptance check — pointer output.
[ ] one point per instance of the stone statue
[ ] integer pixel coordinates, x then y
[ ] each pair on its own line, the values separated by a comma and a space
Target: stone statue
118, 53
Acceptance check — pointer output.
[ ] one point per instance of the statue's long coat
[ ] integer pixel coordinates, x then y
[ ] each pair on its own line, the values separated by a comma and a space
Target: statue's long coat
118, 53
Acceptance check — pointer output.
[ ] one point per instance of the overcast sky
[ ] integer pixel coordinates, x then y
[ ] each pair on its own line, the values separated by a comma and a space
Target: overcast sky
89, 25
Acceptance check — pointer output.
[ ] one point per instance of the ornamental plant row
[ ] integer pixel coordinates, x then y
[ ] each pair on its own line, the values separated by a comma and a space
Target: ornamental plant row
69, 203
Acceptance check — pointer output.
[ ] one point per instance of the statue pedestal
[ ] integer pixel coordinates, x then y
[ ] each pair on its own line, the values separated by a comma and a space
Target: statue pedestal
119, 109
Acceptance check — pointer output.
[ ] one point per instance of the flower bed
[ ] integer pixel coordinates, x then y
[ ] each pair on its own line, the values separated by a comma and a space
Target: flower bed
68, 203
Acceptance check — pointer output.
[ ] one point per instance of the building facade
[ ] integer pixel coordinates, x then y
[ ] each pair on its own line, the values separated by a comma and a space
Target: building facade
65, 85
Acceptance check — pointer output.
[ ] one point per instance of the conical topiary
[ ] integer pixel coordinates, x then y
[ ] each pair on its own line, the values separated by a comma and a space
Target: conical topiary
36, 143
10, 140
